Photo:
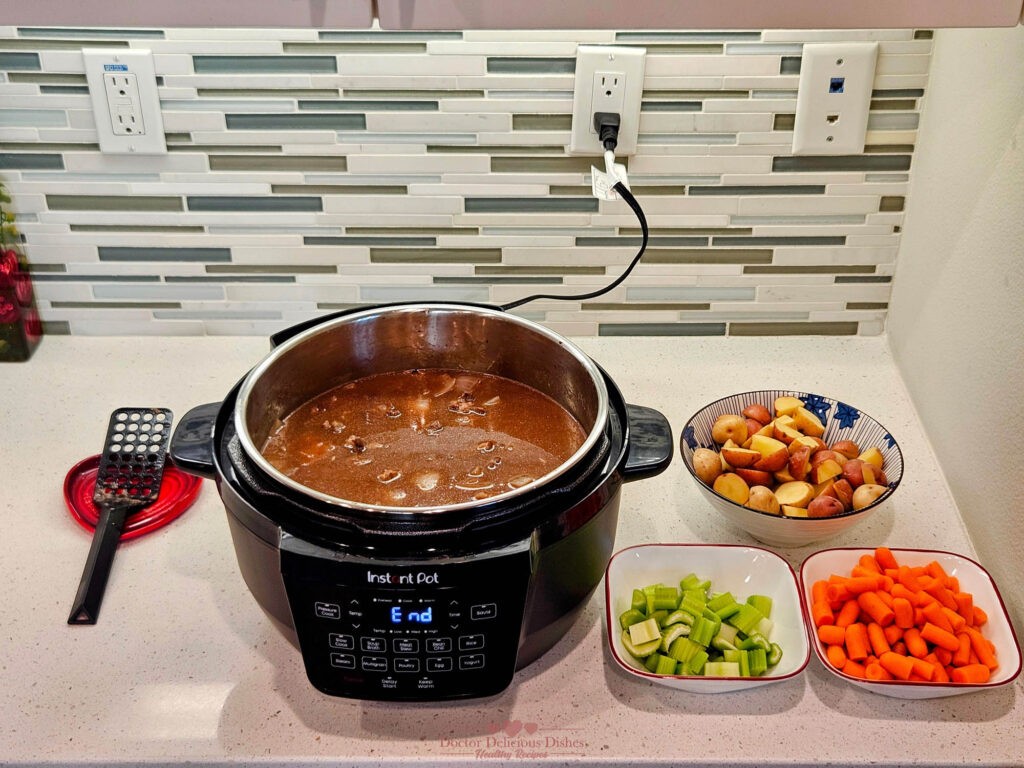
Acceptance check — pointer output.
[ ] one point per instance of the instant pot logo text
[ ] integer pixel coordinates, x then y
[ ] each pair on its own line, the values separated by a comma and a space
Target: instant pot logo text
401, 579
518, 740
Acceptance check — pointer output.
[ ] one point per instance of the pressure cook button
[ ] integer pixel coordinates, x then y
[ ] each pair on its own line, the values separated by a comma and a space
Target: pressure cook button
343, 660
374, 664
473, 661
471, 642
373, 644
327, 610
405, 645
341, 642
439, 645
439, 664
407, 665
485, 611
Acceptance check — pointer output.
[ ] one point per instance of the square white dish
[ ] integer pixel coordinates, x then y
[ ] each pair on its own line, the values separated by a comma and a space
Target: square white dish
742, 570
972, 577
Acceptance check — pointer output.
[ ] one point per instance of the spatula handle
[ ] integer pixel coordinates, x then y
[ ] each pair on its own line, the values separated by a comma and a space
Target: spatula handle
86, 608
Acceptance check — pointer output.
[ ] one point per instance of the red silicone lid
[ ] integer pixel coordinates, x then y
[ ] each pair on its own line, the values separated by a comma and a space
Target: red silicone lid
177, 493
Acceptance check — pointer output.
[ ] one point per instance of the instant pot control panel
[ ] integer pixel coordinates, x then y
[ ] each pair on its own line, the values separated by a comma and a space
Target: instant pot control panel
407, 631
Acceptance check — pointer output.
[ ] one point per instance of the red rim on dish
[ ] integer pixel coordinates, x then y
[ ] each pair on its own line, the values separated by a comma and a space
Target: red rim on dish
177, 493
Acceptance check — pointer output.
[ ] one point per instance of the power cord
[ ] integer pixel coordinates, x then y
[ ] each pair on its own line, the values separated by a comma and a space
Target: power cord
607, 126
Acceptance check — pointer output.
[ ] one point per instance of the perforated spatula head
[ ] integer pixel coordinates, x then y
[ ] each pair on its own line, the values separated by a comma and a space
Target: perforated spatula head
129, 475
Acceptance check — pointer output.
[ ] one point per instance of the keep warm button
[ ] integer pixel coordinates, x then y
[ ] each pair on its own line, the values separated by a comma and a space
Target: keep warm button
485, 611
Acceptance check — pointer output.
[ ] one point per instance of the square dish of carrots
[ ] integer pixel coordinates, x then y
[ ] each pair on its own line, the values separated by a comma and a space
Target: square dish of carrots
909, 623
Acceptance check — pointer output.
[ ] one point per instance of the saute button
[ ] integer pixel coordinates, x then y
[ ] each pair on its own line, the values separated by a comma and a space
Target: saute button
375, 664
440, 664
485, 611
327, 610
373, 644
343, 660
439, 645
406, 645
473, 661
471, 642
342, 642
407, 665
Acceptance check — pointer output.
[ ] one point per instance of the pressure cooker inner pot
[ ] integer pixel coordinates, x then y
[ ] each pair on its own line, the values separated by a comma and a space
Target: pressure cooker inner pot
399, 339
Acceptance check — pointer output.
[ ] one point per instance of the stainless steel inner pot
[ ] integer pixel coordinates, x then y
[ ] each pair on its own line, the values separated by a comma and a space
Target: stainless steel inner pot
398, 338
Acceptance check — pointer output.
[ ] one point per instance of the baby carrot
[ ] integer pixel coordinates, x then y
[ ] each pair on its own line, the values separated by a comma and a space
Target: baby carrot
923, 668
885, 558
837, 656
938, 590
936, 571
876, 636
940, 637
915, 645
972, 673
907, 579
859, 584
847, 614
837, 593
953, 584
980, 617
873, 606
956, 621
818, 591
896, 665
830, 634
965, 605
983, 648
892, 634
962, 655
857, 642
939, 674
868, 562
877, 672
821, 613
944, 656
903, 612
933, 613
900, 648
853, 669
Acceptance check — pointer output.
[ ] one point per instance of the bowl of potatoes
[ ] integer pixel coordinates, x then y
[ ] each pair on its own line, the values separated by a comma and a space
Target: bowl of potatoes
791, 468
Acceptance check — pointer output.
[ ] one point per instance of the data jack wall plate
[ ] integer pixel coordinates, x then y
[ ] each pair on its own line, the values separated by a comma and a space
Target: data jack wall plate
834, 99
609, 78
126, 105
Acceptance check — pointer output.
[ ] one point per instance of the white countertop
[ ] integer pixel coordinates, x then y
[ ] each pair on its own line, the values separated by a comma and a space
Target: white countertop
184, 667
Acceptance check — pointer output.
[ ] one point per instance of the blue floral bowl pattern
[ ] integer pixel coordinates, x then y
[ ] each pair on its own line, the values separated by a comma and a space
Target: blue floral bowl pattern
842, 422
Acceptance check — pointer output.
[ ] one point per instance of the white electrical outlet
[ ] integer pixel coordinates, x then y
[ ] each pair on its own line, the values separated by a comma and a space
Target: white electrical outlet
609, 78
832, 104
122, 84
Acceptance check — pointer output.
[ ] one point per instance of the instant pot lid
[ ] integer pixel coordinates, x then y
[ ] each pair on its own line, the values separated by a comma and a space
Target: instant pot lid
406, 336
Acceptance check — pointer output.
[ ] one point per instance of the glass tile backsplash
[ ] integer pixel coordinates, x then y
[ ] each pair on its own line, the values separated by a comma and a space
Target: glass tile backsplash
309, 170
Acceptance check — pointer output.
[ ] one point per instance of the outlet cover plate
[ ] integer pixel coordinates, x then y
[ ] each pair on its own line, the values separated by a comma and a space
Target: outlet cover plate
592, 63
101, 64
834, 99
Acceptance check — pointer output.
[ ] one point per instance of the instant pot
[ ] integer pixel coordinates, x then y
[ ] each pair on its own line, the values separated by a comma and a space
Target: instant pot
421, 603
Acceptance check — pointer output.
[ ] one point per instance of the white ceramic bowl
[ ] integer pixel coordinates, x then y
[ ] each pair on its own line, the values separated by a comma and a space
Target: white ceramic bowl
744, 571
842, 422
972, 577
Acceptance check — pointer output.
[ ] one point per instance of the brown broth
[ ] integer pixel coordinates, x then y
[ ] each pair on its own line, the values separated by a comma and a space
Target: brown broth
424, 438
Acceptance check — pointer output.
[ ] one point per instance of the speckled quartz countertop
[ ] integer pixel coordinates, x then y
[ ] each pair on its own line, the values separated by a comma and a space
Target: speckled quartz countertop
184, 667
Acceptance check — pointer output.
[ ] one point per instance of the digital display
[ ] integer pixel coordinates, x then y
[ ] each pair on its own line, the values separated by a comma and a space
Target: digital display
400, 615
407, 614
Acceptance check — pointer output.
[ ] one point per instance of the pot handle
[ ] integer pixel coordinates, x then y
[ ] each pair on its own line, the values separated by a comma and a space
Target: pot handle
191, 448
651, 446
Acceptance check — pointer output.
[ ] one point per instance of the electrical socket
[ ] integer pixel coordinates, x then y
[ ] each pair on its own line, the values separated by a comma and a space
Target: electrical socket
834, 99
125, 102
609, 78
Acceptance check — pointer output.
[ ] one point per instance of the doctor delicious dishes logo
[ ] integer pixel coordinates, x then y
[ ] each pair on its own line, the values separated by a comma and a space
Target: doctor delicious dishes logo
516, 740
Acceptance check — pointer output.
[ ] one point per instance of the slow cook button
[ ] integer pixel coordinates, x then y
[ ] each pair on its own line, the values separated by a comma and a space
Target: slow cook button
472, 661
407, 665
373, 644
341, 642
439, 645
471, 642
327, 610
439, 664
343, 660
485, 611
406, 645
374, 664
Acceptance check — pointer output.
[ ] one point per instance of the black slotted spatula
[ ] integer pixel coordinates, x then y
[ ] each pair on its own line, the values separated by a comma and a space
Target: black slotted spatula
130, 472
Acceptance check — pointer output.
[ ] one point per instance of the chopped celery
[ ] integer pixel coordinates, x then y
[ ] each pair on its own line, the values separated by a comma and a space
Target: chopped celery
641, 651
693, 631
763, 603
632, 616
670, 635
644, 632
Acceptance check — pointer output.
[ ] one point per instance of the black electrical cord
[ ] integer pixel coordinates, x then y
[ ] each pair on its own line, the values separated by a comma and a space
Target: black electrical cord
607, 126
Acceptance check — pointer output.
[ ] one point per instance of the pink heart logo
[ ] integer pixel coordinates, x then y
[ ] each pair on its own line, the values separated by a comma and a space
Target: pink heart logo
493, 728
530, 728
513, 727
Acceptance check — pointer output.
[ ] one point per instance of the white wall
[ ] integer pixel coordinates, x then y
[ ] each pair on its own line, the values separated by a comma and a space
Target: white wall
956, 322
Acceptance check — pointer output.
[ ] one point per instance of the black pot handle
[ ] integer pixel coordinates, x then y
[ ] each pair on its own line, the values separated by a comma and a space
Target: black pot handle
651, 446
191, 448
